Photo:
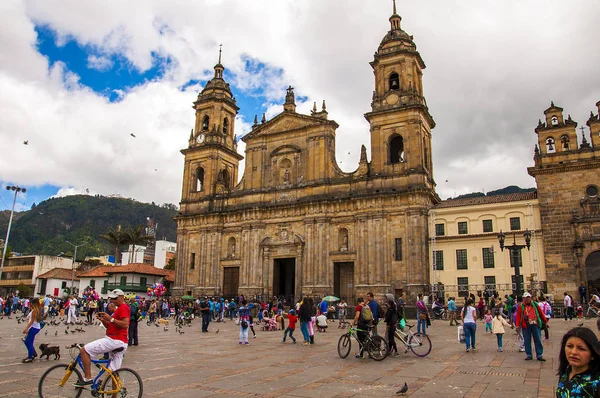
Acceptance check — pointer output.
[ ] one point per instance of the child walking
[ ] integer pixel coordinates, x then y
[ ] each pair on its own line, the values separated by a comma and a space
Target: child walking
292, 319
498, 324
488, 321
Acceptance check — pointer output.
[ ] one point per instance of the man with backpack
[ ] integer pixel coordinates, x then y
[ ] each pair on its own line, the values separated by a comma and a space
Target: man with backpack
376, 310
133, 322
363, 319
531, 320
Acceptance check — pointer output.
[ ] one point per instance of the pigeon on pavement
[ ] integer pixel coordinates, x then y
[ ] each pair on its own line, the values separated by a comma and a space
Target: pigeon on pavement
403, 390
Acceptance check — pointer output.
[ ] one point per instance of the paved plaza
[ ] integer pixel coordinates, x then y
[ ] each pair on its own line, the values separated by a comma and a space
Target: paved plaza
195, 364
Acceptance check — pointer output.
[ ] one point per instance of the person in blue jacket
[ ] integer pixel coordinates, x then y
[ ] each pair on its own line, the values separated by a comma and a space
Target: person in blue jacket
374, 306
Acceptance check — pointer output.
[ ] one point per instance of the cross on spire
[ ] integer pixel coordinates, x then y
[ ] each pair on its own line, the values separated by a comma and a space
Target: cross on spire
394, 6
220, 46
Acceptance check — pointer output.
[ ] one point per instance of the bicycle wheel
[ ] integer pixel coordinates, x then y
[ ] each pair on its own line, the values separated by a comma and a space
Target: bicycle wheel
48, 385
132, 383
377, 348
419, 344
344, 345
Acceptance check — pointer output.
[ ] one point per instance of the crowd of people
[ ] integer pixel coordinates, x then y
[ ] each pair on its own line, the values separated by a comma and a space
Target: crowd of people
579, 359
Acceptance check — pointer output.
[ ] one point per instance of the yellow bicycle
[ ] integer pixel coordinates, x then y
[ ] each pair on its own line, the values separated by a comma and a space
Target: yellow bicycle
59, 380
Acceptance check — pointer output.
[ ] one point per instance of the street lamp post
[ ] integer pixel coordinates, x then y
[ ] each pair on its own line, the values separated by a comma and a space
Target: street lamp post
16, 190
73, 263
514, 253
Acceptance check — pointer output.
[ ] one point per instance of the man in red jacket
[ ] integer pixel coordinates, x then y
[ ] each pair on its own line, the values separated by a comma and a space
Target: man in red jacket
115, 341
530, 318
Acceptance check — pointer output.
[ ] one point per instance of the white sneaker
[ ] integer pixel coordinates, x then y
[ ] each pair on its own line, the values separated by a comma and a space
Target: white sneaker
521, 349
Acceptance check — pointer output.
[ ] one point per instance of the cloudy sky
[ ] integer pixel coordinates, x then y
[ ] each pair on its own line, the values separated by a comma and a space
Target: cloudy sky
77, 78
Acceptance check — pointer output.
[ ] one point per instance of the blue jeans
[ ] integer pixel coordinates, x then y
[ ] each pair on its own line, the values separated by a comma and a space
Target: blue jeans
304, 330
244, 334
470, 329
291, 332
31, 333
535, 332
421, 323
499, 338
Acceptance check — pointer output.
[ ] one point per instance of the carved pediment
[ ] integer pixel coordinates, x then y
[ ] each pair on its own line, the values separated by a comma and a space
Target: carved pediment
286, 122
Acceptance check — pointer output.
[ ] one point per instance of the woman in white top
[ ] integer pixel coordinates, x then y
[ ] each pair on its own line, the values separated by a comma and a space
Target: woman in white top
469, 316
32, 329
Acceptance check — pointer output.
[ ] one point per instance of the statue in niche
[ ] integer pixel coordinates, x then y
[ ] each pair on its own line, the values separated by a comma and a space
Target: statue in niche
286, 176
343, 240
344, 244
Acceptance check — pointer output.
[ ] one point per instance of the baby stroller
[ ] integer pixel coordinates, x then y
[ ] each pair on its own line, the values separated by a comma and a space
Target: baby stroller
269, 324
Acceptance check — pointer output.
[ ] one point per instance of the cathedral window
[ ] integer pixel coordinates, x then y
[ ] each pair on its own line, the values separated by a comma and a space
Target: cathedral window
394, 81
398, 246
425, 155
205, 123
591, 191
554, 121
397, 149
225, 126
564, 141
199, 179
550, 145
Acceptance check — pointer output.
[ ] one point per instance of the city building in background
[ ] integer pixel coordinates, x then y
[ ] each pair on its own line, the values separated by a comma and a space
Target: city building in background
465, 254
24, 271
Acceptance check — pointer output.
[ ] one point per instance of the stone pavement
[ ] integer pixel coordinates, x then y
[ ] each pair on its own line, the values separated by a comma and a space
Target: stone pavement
195, 364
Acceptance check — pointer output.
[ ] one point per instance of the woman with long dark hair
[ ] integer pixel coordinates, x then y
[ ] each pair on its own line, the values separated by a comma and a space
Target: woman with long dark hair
32, 329
304, 316
579, 364
391, 320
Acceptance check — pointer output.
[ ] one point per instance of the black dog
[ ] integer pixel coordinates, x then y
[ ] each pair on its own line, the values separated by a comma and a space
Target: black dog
47, 351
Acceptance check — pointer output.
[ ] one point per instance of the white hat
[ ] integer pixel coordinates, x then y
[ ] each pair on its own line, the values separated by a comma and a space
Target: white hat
115, 293
526, 294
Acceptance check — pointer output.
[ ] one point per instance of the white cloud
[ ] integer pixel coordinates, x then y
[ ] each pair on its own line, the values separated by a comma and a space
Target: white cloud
100, 63
492, 69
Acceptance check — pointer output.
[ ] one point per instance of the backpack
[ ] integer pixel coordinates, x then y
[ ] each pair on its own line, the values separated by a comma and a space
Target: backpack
133, 311
366, 315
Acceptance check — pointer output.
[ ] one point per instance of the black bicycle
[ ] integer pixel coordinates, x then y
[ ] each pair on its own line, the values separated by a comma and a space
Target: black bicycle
375, 346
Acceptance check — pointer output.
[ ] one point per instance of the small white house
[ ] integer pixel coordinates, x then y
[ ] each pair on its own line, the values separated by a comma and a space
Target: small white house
131, 278
56, 282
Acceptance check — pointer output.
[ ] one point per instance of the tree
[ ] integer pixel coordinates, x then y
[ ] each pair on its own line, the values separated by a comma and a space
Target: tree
117, 238
24, 290
9, 252
137, 236
171, 264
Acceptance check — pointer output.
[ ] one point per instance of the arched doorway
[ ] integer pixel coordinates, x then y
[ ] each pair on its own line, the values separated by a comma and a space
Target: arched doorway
592, 270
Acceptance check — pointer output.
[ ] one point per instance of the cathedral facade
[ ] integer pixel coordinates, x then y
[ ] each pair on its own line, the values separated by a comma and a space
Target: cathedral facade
296, 224
567, 174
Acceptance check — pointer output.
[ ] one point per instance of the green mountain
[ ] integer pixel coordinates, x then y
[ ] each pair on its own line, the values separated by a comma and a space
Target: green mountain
502, 191
81, 218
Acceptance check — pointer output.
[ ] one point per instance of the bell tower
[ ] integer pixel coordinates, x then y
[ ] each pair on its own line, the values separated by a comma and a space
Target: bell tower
399, 119
211, 158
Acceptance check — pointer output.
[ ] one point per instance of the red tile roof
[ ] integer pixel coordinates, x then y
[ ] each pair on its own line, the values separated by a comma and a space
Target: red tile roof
485, 200
170, 277
58, 273
95, 272
135, 268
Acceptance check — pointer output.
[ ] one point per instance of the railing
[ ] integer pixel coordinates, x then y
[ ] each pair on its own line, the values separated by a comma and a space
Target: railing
128, 287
